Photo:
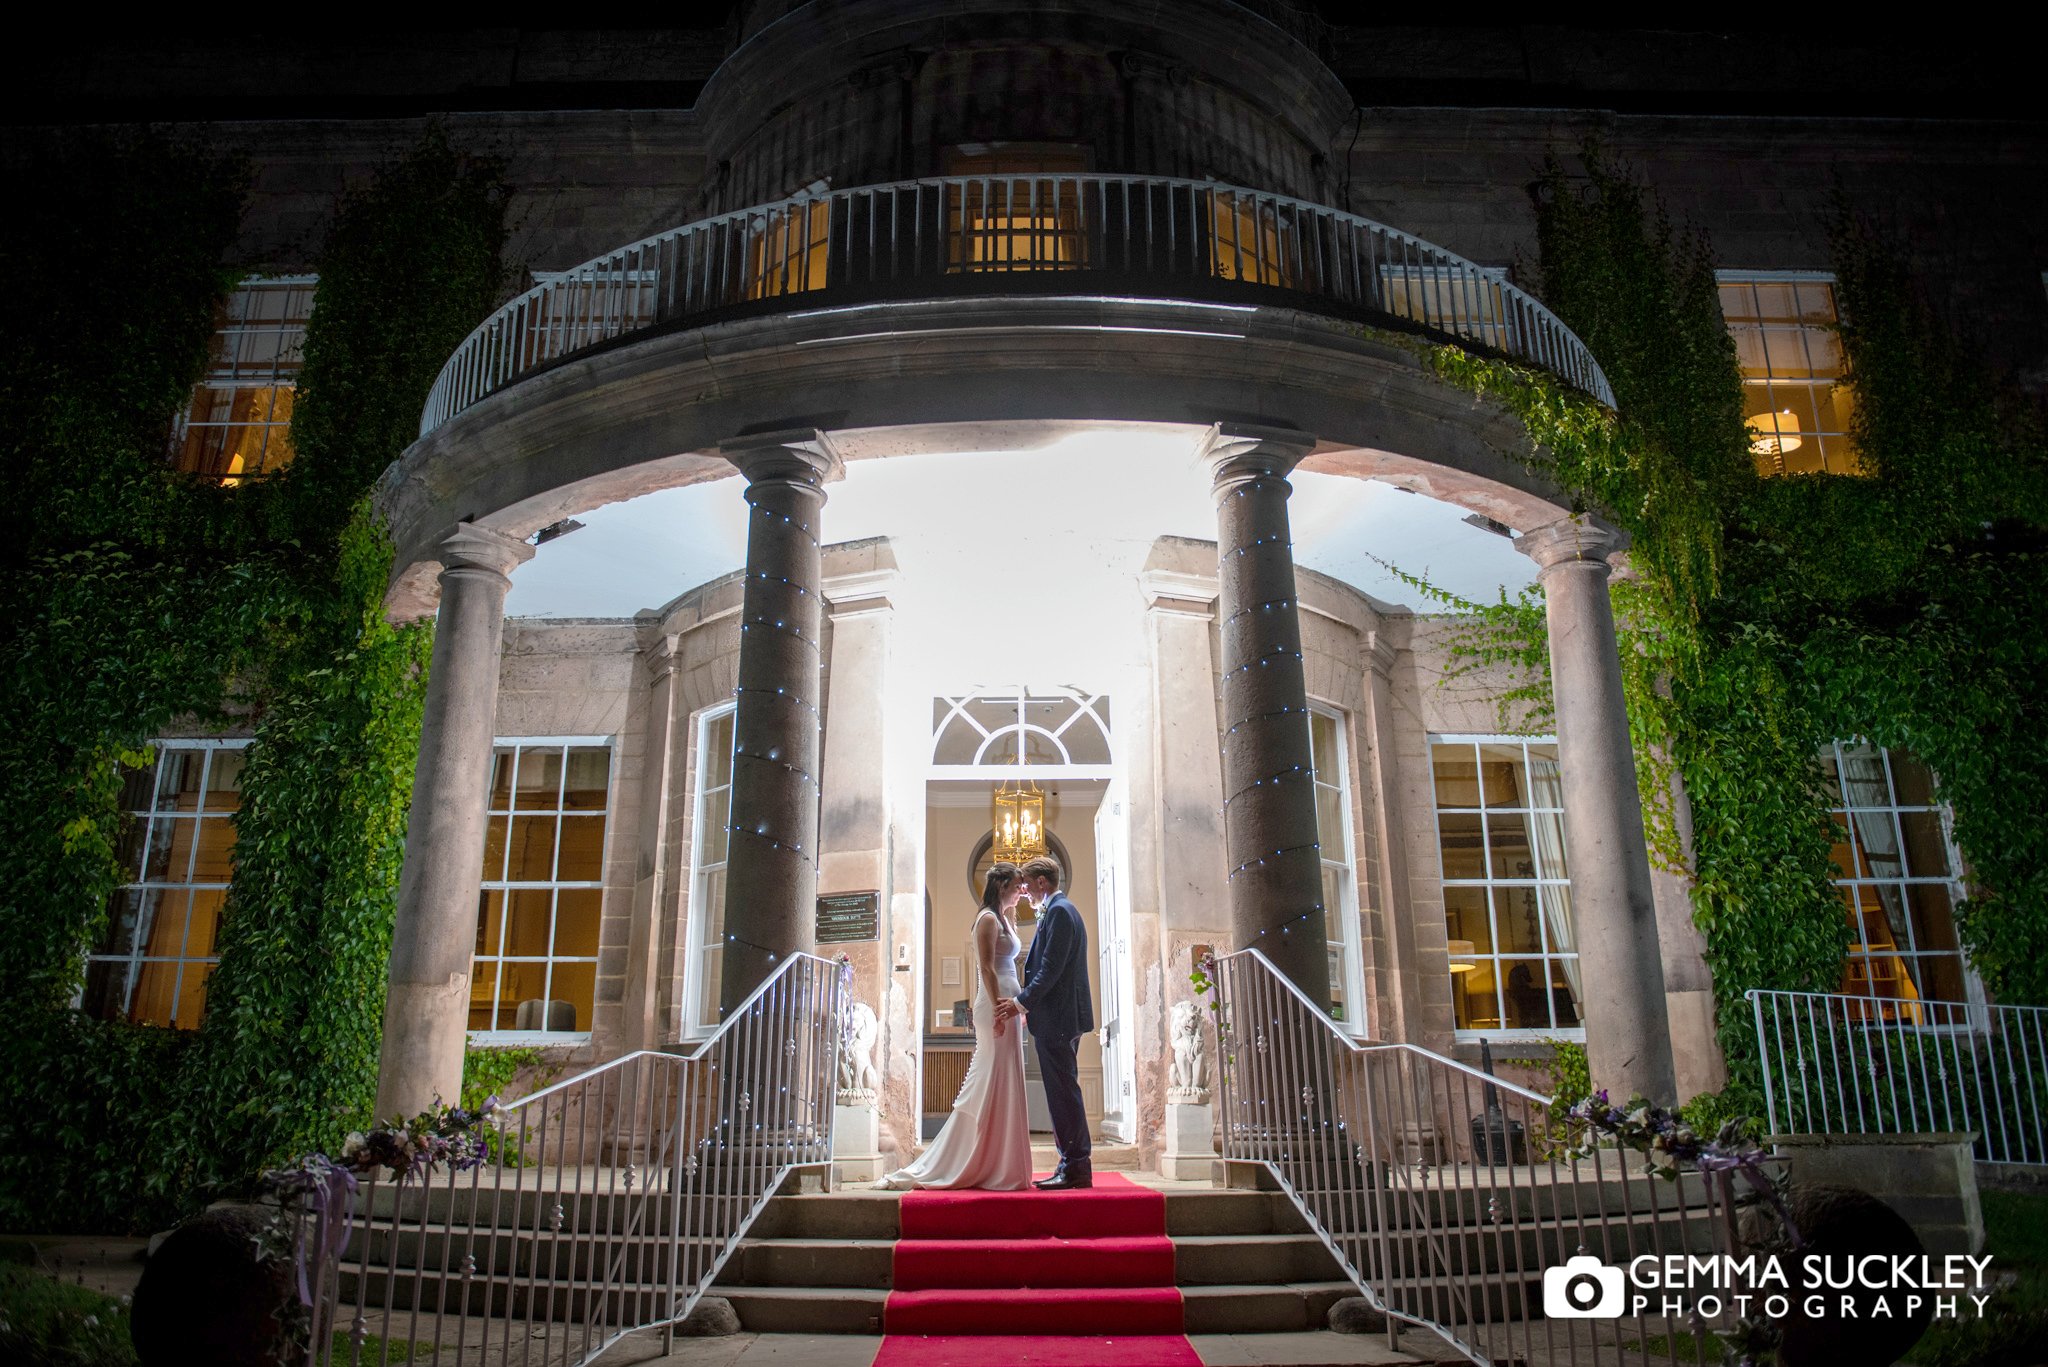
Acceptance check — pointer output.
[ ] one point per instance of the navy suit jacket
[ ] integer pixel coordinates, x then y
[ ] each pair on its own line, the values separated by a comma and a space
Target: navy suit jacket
1055, 991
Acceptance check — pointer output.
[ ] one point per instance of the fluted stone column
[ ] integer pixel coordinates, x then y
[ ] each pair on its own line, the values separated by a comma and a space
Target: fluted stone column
426, 1010
1269, 814
1628, 1039
772, 865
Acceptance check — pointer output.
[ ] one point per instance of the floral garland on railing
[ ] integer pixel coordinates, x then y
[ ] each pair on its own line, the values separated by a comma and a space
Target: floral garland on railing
323, 1190
1669, 1146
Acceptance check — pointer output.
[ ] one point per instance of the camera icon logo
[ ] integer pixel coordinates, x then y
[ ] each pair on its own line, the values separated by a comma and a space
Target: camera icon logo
1583, 1288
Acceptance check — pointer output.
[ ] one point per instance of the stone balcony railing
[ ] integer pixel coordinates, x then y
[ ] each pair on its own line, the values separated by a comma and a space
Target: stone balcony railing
1006, 235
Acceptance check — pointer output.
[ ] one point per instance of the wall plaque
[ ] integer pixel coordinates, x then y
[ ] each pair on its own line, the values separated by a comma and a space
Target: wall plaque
848, 917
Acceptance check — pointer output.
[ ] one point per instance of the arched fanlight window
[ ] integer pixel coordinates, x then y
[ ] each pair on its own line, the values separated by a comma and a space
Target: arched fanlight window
1025, 728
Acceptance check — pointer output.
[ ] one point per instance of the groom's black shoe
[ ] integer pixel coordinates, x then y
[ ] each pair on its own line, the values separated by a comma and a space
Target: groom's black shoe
1067, 1179
1059, 1175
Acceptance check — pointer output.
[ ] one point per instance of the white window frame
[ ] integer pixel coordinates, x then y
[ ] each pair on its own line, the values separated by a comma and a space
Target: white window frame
507, 886
1515, 1034
228, 372
1741, 277
702, 915
1344, 917
1974, 1018
135, 957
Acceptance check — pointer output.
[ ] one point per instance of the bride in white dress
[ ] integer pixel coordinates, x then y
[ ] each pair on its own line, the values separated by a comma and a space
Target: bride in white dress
986, 1142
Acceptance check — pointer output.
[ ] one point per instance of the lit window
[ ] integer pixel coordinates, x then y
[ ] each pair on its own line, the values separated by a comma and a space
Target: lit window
239, 423
1022, 214
1790, 355
176, 847
1253, 238
1507, 894
535, 970
1450, 300
1900, 877
1027, 727
1333, 835
707, 865
787, 249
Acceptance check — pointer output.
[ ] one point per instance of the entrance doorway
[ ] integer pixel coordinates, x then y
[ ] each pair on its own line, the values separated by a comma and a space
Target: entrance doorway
1059, 740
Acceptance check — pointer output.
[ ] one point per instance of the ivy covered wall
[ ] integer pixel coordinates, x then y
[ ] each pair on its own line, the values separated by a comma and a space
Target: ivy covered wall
139, 600
1908, 606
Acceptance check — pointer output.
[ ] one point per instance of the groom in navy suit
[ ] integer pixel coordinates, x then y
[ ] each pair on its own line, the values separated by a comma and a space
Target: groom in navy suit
1055, 998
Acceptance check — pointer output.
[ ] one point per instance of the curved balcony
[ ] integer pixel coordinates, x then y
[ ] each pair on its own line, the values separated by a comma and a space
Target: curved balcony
998, 235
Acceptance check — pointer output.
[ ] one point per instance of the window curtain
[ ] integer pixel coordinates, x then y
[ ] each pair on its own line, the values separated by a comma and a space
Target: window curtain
1546, 832
1877, 841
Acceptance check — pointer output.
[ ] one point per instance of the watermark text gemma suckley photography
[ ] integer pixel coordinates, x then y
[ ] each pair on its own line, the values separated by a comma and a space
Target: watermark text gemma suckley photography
1812, 1285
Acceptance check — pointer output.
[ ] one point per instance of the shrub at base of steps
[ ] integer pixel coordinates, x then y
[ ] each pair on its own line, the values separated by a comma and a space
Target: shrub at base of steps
712, 1318
1355, 1315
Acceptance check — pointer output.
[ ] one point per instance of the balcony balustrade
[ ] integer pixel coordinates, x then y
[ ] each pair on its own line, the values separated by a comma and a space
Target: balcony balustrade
1003, 235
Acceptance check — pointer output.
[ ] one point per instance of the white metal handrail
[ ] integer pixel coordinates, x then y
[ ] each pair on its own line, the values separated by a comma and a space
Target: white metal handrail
969, 231
645, 1173
1444, 1193
1839, 1063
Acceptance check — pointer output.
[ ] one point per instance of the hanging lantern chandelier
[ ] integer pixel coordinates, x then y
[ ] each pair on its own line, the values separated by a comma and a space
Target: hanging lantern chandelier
1018, 821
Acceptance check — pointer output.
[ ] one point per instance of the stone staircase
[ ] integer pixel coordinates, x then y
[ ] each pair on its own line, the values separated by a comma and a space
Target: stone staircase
820, 1264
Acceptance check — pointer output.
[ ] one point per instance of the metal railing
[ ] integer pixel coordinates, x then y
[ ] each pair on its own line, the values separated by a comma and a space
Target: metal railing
1445, 1193
980, 234
1838, 1063
611, 1203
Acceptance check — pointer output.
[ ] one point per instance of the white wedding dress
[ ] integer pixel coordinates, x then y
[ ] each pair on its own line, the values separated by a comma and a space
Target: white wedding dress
986, 1142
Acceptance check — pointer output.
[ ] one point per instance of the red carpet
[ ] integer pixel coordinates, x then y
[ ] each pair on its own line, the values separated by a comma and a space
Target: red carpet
980, 1276
1023, 1350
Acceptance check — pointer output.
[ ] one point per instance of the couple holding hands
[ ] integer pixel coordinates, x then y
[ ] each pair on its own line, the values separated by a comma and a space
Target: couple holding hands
987, 1141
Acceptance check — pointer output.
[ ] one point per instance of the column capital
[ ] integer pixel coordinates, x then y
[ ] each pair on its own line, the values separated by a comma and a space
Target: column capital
657, 645
1239, 452
803, 455
1573, 540
470, 547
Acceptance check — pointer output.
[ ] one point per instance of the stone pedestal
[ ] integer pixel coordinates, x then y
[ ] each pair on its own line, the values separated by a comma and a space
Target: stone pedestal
1190, 1154
856, 1142
1930, 1180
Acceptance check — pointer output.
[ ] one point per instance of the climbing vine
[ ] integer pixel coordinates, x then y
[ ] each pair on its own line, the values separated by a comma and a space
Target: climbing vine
1766, 617
139, 600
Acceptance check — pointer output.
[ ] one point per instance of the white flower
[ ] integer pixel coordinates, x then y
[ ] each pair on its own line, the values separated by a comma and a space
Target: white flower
356, 1142
1639, 1116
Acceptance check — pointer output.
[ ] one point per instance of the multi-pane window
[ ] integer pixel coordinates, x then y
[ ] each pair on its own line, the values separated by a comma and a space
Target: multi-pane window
176, 845
1790, 355
707, 881
1507, 895
239, 422
1022, 213
1333, 836
535, 969
1900, 877
1061, 726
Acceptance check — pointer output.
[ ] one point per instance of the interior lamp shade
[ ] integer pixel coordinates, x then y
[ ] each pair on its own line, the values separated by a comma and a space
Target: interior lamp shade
1773, 434
1458, 947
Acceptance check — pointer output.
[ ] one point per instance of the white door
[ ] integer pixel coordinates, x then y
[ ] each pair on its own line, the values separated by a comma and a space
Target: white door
1113, 965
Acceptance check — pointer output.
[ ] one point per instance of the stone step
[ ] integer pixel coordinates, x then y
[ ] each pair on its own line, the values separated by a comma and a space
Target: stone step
1220, 1309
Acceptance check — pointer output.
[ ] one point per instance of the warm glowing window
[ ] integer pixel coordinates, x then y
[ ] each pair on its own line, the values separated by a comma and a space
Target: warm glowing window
1019, 212
1252, 238
787, 249
1450, 300
1901, 879
707, 865
239, 423
1507, 895
177, 840
1333, 836
535, 970
1793, 398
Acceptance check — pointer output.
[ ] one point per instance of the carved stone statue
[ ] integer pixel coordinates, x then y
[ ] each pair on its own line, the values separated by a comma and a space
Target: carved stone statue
1189, 1082
857, 1056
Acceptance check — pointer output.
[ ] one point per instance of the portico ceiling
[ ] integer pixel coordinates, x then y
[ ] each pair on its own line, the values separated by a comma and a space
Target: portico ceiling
1076, 519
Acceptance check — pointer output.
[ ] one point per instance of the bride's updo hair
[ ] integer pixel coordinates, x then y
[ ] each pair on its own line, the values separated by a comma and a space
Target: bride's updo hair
1000, 876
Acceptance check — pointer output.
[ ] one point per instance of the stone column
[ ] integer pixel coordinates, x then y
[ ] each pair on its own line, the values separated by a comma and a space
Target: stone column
772, 868
1628, 1041
1269, 815
653, 886
426, 1008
